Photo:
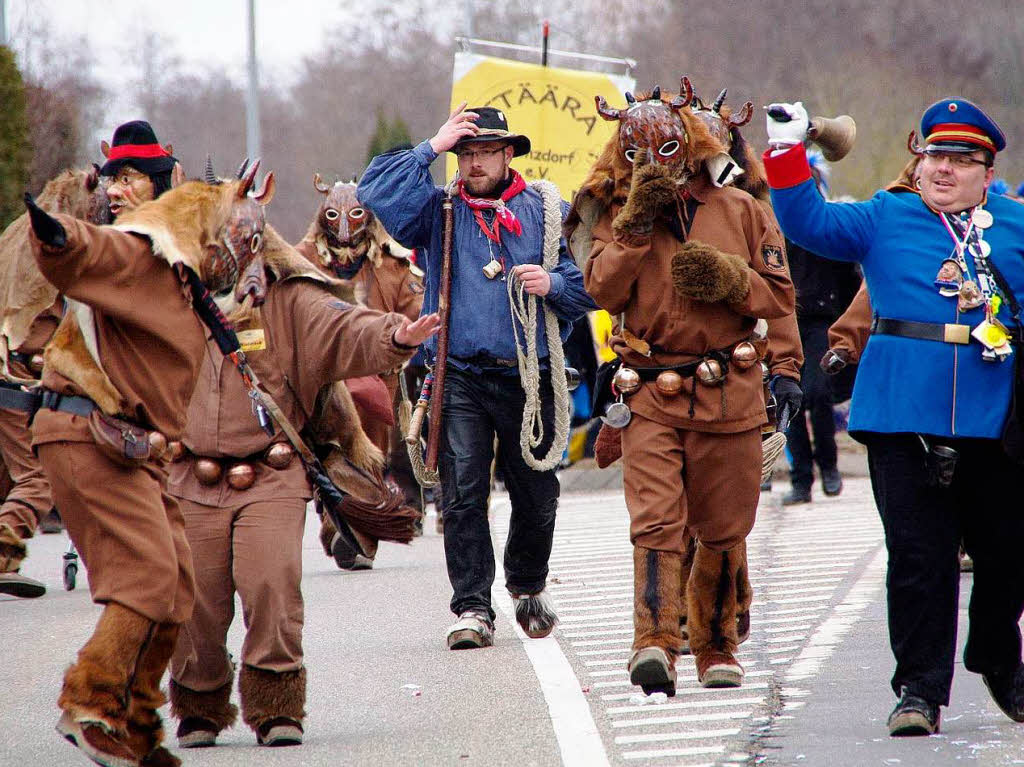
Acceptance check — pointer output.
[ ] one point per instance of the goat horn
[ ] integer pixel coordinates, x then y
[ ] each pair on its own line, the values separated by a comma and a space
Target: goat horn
717, 106
630, 98
742, 117
319, 184
208, 175
685, 97
248, 178
606, 111
656, 93
242, 168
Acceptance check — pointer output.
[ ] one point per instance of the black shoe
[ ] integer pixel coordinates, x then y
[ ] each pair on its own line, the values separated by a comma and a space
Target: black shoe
1007, 690
913, 715
797, 495
766, 486
831, 481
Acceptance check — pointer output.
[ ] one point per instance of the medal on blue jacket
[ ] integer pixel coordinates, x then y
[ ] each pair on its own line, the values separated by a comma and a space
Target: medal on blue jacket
950, 278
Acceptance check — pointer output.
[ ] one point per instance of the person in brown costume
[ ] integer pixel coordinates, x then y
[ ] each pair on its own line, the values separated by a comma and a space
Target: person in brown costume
244, 494
116, 382
27, 504
346, 240
697, 408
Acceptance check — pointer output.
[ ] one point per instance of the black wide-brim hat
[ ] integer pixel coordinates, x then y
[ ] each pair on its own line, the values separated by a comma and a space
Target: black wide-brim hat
135, 144
494, 127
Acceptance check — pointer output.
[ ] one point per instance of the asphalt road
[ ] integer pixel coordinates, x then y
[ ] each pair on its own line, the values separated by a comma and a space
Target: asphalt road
384, 690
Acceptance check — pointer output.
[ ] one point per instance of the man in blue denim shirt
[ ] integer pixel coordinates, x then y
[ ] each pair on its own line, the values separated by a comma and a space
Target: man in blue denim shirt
498, 231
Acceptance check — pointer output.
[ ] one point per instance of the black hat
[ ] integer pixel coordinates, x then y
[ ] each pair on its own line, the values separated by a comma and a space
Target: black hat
494, 127
135, 144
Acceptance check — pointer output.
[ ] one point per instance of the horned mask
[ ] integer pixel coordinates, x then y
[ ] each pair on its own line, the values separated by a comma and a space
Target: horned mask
342, 219
664, 130
720, 119
215, 229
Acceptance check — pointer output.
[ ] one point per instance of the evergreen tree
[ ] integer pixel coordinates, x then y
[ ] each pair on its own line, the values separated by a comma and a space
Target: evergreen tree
15, 152
387, 135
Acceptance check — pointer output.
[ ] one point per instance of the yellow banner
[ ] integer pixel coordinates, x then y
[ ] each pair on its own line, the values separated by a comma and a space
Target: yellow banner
554, 107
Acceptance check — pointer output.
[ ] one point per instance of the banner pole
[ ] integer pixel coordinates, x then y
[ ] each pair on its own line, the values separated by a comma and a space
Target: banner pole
544, 49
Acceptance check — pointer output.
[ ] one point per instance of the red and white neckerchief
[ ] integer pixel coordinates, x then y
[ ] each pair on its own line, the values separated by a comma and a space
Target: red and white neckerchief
503, 217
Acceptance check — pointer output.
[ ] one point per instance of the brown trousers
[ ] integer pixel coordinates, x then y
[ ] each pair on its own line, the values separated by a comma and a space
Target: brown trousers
256, 550
676, 479
127, 529
29, 498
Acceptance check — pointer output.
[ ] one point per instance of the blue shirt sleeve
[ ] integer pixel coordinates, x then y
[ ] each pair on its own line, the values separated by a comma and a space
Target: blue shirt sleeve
567, 297
399, 190
842, 231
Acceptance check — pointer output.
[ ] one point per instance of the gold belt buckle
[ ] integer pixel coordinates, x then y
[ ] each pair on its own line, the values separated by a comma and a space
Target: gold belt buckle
956, 334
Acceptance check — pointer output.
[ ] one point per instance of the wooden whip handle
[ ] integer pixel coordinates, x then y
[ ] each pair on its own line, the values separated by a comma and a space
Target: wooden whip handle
441, 360
412, 436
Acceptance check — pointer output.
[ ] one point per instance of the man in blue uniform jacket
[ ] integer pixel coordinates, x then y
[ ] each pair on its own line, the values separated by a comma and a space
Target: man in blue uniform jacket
945, 270
499, 230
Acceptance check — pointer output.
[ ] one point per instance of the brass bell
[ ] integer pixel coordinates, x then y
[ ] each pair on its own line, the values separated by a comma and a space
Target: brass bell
760, 331
241, 476
669, 382
175, 450
626, 380
35, 363
278, 455
157, 444
207, 471
710, 372
744, 355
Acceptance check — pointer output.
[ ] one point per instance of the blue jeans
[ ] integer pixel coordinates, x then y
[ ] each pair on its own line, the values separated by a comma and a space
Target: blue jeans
477, 408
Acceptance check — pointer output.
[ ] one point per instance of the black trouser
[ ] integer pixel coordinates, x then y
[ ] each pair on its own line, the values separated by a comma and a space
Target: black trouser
817, 403
476, 408
923, 529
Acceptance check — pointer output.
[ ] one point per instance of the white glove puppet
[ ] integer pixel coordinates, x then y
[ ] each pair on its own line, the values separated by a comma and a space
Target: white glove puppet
787, 125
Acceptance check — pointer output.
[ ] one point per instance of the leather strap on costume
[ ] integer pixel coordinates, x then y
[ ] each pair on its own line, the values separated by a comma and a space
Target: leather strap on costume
13, 398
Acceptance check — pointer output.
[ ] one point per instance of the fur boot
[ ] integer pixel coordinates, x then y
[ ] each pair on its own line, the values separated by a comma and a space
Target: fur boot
711, 615
656, 640
12, 549
202, 715
535, 613
273, 704
96, 688
145, 728
705, 273
744, 596
689, 550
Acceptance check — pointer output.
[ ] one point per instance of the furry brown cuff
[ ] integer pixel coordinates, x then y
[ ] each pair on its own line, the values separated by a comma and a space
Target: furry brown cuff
607, 446
652, 189
270, 695
705, 273
214, 705
12, 549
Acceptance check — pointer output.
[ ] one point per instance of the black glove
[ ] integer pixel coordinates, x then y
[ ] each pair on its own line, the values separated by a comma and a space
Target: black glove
47, 228
834, 361
788, 395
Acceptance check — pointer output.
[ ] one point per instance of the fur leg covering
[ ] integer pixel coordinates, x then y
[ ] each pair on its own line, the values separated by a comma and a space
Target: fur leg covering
656, 638
744, 596
711, 615
535, 613
689, 550
97, 687
703, 272
268, 695
12, 549
214, 706
145, 728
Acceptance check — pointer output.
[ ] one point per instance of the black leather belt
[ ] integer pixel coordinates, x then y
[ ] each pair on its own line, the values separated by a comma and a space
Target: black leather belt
30, 401
651, 374
924, 331
487, 361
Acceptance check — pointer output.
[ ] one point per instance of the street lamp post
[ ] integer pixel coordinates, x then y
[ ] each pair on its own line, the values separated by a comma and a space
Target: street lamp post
252, 101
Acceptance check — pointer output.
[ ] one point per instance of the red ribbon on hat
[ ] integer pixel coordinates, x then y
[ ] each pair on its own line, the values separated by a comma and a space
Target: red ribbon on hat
136, 151
503, 217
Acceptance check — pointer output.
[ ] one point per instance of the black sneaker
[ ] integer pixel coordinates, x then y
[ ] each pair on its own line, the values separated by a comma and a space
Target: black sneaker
797, 495
831, 482
913, 715
1007, 690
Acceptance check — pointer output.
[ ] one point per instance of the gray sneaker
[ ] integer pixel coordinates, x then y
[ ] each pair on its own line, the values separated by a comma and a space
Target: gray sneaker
473, 629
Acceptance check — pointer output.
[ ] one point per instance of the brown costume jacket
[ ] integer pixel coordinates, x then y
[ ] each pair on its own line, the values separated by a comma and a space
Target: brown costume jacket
636, 279
150, 341
39, 334
309, 338
850, 332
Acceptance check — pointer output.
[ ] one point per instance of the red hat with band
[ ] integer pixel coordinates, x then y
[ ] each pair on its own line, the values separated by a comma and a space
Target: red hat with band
135, 145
